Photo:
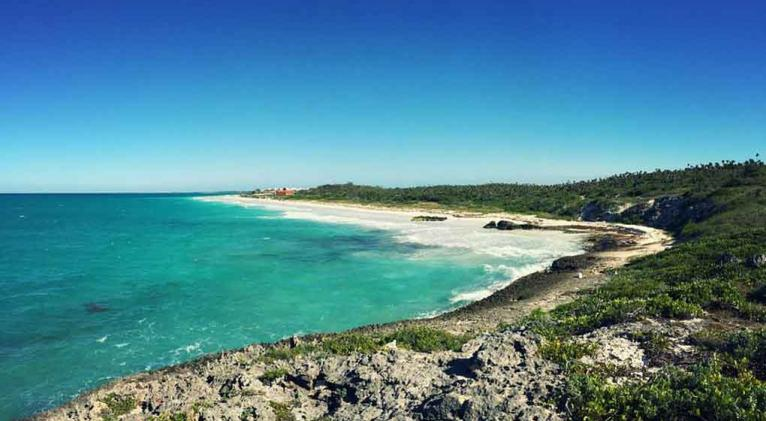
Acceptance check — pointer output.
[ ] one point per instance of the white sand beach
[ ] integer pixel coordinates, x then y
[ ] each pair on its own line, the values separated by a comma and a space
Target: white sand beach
465, 231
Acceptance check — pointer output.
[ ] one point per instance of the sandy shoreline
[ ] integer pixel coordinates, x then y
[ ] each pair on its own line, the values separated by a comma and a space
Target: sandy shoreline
537, 287
651, 240
505, 256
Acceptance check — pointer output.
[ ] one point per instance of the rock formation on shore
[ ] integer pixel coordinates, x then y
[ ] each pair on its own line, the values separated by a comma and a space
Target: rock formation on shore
496, 376
666, 212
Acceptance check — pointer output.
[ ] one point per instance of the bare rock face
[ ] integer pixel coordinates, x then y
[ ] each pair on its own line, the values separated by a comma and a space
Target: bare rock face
504, 225
502, 379
727, 259
668, 212
595, 211
497, 376
570, 263
756, 261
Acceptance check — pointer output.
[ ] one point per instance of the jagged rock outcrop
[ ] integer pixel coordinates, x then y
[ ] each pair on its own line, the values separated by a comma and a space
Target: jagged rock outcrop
504, 225
428, 218
667, 212
671, 212
570, 263
595, 211
756, 261
497, 376
727, 259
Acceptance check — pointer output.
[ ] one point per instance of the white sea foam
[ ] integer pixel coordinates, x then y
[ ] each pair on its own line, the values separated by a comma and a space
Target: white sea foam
191, 348
431, 314
511, 273
521, 252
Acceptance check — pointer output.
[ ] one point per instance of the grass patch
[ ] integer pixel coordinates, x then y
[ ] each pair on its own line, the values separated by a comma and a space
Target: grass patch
279, 353
348, 343
198, 406
566, 352
704, 392
652, 342
425, 339
420, 339
743, 350
281, 411
273, 374
118, 405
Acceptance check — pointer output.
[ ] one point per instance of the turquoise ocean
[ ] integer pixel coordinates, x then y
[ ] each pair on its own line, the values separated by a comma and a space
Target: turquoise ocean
93, 287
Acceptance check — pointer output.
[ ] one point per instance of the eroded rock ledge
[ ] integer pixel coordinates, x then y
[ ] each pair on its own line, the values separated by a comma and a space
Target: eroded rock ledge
495, 376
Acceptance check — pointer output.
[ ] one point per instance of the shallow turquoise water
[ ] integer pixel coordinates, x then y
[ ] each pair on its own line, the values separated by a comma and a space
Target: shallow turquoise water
98, 286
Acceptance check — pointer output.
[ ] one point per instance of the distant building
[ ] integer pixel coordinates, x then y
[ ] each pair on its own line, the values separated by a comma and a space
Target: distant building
284, 191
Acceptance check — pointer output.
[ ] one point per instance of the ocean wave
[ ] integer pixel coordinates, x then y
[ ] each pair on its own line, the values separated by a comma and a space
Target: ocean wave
511, 273
431, 314
456, 239
188, 349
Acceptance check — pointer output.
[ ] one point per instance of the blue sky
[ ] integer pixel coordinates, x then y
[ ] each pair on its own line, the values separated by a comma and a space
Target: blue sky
210, 95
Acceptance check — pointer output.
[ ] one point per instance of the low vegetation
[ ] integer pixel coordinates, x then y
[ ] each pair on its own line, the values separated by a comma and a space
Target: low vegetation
273, 374
348, 343
424, 339
721, 228
117, 405
740, 351
420, 339
727, 183
703, 392
566, 352
281, 411
178, 416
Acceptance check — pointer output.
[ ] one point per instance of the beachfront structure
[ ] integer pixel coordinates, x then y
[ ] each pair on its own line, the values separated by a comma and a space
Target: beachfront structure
271, 193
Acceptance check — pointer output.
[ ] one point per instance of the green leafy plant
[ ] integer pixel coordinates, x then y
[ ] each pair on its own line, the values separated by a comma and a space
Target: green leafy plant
273, 374
566, 352
118, 405
425, 339
281, 411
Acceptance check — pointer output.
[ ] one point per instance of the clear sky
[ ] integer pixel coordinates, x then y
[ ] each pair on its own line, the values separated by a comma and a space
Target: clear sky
208, 95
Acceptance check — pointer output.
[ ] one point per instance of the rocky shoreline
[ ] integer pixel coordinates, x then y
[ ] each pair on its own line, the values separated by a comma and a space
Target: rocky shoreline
494, 374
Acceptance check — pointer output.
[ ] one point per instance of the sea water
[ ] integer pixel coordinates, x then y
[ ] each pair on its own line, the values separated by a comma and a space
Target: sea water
93, 287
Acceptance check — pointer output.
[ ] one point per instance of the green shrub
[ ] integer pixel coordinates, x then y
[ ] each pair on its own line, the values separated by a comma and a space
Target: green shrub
652, 342
673, 394
425, 339
273, 374
738, 349
281, 411
200, 405
566, 352
540, 322
348, 343
118, 405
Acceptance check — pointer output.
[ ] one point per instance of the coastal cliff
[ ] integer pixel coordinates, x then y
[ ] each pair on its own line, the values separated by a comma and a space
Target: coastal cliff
630, 330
